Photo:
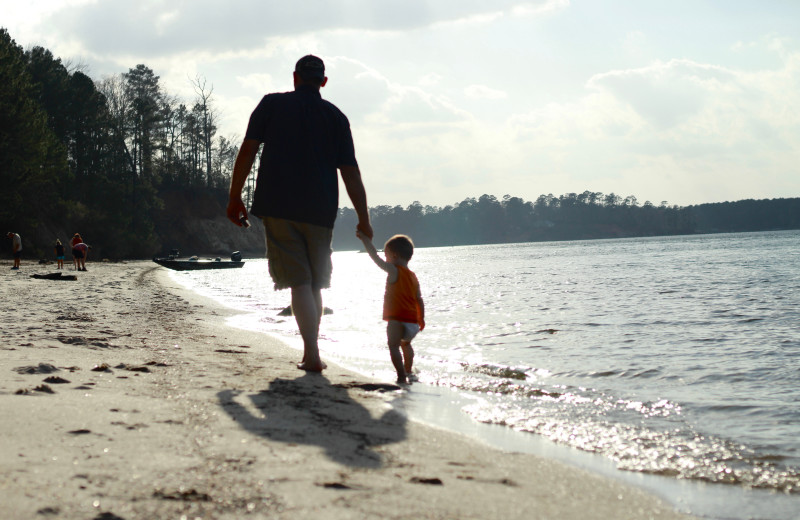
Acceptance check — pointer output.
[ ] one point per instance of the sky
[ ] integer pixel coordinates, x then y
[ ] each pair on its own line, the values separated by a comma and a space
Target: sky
683, 101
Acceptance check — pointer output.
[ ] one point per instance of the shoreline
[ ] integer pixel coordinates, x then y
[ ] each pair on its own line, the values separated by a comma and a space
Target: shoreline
166, 411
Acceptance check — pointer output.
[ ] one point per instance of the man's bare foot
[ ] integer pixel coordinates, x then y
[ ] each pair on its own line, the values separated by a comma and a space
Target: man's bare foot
312, 367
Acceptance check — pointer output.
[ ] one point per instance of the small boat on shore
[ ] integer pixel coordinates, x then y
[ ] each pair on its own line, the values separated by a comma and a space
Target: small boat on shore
173, 261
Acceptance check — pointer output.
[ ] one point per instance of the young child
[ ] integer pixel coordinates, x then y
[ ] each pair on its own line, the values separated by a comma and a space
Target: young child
403, 307
59, 254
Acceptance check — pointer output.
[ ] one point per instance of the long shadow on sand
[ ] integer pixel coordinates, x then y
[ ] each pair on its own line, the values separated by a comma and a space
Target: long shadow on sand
311, 410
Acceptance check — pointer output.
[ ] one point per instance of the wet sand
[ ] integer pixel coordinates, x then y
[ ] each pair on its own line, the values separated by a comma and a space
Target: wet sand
122, 395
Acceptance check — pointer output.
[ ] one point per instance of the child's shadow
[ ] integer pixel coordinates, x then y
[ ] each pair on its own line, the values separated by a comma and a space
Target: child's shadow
310, 410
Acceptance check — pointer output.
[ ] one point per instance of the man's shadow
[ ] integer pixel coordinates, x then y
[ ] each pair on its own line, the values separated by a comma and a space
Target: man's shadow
311, 410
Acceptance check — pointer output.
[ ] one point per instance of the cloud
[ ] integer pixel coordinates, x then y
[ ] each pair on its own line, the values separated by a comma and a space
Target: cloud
540, 8
370, 97
666, 94
669, 131
484, 92
180, 25
258, 83
685, 102
674, 130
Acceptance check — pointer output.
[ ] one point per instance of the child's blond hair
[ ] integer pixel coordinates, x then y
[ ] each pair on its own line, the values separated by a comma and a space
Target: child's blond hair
401, 245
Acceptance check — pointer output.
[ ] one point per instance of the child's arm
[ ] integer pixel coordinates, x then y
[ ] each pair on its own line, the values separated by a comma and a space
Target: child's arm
373, 253
421, 304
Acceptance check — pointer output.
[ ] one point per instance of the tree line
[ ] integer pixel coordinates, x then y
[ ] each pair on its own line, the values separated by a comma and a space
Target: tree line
588, 215
99, 157
96, 156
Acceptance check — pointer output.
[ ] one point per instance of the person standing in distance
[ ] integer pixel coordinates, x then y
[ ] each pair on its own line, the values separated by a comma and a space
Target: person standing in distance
16, 248
306, 139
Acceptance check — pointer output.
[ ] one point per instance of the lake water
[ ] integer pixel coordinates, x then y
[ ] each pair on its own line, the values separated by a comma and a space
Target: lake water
677, 357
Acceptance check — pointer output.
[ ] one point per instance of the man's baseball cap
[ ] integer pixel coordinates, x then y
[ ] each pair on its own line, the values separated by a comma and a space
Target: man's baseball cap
310, 67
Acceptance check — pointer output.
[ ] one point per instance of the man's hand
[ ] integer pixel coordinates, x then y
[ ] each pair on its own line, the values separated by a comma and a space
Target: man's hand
365, 229
236, 212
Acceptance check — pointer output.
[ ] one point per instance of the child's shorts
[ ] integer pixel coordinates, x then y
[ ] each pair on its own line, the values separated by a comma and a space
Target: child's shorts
410, 330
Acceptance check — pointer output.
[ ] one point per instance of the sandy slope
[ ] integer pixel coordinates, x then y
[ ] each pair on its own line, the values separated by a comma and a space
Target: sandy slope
124, 396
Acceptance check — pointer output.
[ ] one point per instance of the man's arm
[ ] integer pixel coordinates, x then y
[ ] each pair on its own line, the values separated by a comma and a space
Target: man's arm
241, 169
351, 176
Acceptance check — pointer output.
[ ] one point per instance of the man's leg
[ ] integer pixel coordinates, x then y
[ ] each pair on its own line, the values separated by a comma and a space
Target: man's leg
307, 310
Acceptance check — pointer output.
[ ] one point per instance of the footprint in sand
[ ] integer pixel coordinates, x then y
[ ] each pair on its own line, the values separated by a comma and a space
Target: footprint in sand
41, 368
85, 342
107, 516
422, 480
75, 316
131, 368
55, 380
137, 426
41, 388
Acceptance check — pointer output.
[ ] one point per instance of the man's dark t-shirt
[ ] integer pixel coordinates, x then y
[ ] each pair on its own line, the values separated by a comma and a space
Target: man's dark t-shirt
306, 139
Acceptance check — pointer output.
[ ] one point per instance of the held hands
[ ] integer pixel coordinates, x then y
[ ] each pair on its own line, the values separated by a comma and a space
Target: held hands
365, 229
363, 236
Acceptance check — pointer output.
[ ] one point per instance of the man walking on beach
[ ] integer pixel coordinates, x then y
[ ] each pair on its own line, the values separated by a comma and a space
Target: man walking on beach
16, 248
306, 139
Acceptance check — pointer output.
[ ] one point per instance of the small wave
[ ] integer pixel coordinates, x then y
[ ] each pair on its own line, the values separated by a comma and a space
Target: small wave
646, 374
627, 374
740, 408
605, 373
496, 371
507, 388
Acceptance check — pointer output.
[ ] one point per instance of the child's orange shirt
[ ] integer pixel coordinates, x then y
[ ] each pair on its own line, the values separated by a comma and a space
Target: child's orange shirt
400, 299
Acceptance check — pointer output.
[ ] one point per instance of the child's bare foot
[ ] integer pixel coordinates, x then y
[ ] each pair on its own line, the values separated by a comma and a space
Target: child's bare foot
312, 367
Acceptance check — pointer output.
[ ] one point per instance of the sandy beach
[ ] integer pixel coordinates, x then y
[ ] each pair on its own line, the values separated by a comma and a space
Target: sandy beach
125, 396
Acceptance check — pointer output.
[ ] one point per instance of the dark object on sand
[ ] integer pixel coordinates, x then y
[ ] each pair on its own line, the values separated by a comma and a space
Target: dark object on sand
173, 261
41, 368
55, 276
288, 311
